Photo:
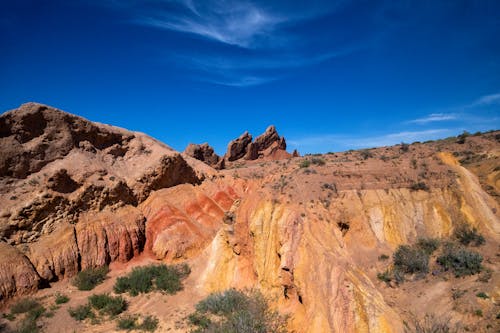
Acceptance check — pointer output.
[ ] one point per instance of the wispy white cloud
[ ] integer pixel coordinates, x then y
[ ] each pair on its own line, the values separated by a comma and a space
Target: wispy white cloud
434, 117
252, 41
239, 23
486, 100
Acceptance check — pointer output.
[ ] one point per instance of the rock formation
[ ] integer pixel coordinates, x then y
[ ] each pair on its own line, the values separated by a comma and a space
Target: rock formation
54, 166
268, 145
309, 238
205, 153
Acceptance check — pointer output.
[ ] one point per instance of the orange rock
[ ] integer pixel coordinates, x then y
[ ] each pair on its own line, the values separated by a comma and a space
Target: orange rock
17, 275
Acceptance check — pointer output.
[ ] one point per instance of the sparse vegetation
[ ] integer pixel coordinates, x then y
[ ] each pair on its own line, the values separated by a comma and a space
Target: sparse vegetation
153, 277
482, 295
383, 257
385, 276
419, 186
88, 279
468, 236
410, 260
305, 163
318, 161
81, 312
24, 305
236, 311
61, 299
431, 324
32, 310
134, 322
428, 245
106, 304
460, 260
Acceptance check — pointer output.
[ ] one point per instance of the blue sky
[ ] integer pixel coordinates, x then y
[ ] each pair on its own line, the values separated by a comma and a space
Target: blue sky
331, 75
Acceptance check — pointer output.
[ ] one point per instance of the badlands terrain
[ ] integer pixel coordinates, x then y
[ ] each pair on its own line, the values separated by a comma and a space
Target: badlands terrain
321, 237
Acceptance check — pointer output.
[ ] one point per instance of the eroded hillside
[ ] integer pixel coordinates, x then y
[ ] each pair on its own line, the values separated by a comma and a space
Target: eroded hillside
310, 232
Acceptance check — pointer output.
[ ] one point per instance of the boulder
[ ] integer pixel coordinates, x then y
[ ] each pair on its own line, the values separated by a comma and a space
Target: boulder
204, 153
238, 148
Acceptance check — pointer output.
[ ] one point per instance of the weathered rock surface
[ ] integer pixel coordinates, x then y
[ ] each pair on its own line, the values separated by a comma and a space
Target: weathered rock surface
54, 166
205, 153
17, 275
268, 145
183, 219
110, 236
238, 148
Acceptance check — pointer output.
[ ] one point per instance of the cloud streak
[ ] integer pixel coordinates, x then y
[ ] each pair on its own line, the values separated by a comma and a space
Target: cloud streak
247, 43
433, 117
239, 23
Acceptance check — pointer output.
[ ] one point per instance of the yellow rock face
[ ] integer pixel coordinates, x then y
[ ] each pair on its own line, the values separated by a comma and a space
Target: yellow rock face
310, 268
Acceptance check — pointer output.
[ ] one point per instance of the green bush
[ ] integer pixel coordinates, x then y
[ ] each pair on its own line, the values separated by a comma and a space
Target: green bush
235, 311
482, 295
89, 278
428, 245
318, 161
460, 260
81, 312
411, 260
108, 304
468, 236
305, 164
153, 277
148, 323
24, 305
61, 299
384, 276
383, 257
126, 323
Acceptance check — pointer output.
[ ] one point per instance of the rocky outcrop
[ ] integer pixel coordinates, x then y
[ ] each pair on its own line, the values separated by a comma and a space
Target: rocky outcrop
268, 145
205, 153
183, 219
17, 275
110, 236
238, 148
55, 166
35, 135
96, 240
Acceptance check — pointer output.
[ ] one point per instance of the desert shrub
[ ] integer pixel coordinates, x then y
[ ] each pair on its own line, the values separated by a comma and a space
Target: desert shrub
365, 154
89, 278
411, 260
236, 311
482, 295
430, 324
126, 323
148, 323
61, 299
384, 276
81, 312
460, 260
148, 278
28, 325
305, 164
428, 245
404, 147
25, 305
419, 186
383, 257
108, 304
468, 236
317, 161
